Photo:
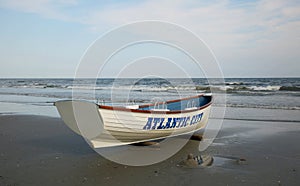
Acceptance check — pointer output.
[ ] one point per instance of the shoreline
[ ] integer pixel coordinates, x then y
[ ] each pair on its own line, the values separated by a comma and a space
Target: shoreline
39, 150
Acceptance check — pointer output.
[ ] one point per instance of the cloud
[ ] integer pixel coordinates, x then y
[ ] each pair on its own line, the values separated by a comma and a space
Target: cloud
218, 19
237, 31
47, 8
221, 23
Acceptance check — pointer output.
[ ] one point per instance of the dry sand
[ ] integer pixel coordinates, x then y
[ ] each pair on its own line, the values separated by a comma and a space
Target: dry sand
37, 150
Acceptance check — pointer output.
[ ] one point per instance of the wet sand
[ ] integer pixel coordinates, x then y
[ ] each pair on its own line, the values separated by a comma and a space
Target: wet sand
38, 150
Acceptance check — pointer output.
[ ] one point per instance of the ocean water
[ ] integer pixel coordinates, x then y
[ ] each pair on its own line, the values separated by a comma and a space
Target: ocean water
36, 96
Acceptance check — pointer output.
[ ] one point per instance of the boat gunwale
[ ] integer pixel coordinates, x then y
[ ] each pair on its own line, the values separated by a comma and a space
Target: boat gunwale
118, 108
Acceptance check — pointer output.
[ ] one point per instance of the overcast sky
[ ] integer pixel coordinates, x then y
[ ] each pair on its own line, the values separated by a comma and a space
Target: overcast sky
46, 38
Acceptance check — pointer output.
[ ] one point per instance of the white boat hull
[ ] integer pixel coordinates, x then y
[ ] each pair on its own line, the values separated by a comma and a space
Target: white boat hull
103, 127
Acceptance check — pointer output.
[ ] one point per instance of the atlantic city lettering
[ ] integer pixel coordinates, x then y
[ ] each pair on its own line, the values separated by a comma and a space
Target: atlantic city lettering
166, 123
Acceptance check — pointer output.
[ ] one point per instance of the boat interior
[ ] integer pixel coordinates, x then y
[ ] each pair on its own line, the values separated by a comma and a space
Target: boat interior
175, 105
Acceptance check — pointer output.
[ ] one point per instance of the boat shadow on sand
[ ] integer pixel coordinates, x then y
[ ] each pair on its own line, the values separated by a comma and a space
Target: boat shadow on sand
201, 160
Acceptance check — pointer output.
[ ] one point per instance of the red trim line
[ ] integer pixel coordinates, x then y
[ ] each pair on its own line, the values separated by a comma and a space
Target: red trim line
158, 112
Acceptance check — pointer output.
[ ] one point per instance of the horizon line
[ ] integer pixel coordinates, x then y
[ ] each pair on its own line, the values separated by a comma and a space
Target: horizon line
144, 78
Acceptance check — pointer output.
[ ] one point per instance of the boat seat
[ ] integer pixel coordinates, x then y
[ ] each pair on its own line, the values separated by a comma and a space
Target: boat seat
191, 108
132, 106
160, 110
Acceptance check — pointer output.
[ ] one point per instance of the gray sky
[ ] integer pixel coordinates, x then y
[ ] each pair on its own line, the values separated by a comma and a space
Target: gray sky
46, 38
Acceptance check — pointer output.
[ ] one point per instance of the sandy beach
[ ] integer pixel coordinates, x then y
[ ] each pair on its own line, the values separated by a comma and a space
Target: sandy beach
40, 150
